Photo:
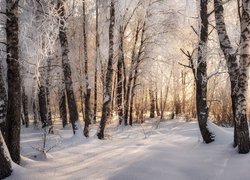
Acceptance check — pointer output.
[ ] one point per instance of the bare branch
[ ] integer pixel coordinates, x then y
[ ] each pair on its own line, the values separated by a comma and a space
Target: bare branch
184, 65
195, 31
213, 28
186, 53
191, 62
215, 73
4, 43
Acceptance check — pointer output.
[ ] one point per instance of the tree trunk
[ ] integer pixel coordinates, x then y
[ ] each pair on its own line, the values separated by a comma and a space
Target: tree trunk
14, 82
63, 108
132, 96
136, 72
241, 108
82, 99
87, 86
113, 95
119, 96
124, 79
3, 102
230, 55
130, 79
35, 115
73, 113
201, 75
177, 103
80, 87
25, 107
34, 103
96, 60
164, 101
183, 82
156, 103
109, 75
152, 103
49, 116
42, 106
5, 161
132, 102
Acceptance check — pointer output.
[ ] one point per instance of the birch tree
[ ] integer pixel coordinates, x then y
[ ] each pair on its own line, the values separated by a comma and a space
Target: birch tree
87, 82
230, 55
120, 62
201, 74
12, 136
241, 108
109, 75
73, 113
96, 58
238, 71
131, 73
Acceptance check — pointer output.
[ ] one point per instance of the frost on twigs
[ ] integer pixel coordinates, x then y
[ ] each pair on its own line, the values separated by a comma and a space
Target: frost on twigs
48, 142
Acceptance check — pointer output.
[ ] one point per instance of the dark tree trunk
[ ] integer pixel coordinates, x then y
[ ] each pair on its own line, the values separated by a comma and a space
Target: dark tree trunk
130, 79
80, 84
156, 103
183, 82
177, 103
14, 82
63, 108
5, 161
35, 115
42, 106
3, 102
96, 60
25, 107
82, 101
113, 95
132, 95
119, 96
164, 101
73, 113
132, 101
124, 77
152, 103
136, 72
49, 115
161, 105
109, 75
201, 75
87, 86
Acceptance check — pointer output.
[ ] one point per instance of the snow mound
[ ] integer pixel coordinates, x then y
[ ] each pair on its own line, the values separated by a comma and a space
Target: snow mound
222, 135
20, 173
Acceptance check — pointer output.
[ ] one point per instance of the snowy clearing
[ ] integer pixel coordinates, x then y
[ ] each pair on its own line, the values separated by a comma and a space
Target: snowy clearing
173, 151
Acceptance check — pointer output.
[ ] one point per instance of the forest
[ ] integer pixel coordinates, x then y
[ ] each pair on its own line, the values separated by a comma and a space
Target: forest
124, 89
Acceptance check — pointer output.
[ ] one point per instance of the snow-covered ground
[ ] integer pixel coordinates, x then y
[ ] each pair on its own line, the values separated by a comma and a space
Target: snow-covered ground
173, 151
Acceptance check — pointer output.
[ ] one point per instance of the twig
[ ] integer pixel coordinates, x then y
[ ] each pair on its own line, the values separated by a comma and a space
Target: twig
4, 43
195, 31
